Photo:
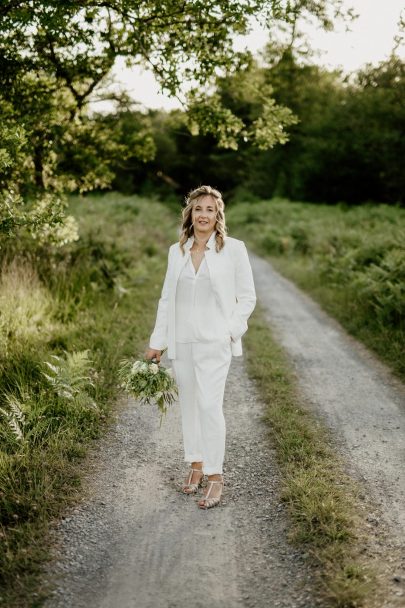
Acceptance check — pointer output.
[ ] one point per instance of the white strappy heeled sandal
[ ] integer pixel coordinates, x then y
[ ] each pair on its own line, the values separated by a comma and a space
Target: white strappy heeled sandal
191, 488
211, 501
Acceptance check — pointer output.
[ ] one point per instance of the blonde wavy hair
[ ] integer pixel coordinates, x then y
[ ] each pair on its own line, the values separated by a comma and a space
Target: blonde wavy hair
187, 228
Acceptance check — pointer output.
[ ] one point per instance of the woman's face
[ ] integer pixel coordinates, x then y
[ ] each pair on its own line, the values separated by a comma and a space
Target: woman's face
204, 215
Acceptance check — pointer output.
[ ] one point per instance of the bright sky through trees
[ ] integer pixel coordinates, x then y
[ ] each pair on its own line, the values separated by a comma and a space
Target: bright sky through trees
371, 39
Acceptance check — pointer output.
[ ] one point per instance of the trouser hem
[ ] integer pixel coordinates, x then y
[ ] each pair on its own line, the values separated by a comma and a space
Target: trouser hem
212, 470
193, 458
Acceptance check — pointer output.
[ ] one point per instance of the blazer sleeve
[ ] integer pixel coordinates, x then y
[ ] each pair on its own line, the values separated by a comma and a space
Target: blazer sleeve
158, 339
245, 293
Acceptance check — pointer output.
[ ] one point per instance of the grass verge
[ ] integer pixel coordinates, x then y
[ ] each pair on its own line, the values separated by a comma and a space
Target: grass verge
322, 501
68, 317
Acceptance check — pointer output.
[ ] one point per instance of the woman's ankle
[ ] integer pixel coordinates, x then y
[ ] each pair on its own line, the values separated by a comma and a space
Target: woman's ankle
197, 465
215, 477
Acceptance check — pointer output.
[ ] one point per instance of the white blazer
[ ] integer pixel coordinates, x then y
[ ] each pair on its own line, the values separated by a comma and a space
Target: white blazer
232, 281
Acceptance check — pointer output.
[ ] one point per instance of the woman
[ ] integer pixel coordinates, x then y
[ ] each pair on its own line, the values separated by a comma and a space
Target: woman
208, 294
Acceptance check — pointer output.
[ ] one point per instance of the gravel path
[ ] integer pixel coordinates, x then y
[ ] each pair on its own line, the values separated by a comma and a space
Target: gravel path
353, 393
136, 541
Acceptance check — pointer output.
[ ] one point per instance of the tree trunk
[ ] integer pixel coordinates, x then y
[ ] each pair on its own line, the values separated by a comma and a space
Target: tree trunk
39, 169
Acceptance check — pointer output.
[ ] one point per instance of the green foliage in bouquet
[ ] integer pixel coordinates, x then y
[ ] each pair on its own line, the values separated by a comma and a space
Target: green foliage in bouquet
149, 382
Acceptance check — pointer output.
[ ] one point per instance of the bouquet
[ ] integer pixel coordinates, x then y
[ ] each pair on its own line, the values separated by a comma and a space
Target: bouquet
149, 382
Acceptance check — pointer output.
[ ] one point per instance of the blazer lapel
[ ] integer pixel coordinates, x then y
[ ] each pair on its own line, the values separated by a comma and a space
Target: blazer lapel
213, 260
181, 261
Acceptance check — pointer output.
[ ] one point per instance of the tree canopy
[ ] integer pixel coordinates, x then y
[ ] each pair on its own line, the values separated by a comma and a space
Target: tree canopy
55, 55
346, 145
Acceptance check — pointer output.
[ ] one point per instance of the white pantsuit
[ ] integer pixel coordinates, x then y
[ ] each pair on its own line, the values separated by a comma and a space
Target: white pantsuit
201, 317
200, 370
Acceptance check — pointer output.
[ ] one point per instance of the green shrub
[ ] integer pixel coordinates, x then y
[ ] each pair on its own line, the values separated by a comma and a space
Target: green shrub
382, 288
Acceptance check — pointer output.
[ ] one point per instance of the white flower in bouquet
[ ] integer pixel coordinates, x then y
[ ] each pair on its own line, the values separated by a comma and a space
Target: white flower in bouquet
154, 368
136, 366
148, 381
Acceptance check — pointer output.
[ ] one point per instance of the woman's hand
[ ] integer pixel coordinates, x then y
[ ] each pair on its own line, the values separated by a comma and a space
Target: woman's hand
151, 353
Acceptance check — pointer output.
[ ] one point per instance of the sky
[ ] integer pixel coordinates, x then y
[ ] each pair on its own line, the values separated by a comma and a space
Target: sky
370, 40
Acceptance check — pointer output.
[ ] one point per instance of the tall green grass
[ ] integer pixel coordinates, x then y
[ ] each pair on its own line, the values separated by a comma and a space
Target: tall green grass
351, 259
67, 318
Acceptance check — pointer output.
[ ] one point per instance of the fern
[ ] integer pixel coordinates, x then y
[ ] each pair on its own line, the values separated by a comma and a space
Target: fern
15, 418
71, 377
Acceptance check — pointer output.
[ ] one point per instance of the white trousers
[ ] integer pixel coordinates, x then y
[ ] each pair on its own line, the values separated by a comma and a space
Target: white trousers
200, 370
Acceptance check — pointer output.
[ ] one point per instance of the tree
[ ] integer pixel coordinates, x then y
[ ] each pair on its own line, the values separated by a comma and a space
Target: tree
55, 55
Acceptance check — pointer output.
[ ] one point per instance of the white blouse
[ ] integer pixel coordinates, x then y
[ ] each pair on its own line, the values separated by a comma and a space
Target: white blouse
198, 315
